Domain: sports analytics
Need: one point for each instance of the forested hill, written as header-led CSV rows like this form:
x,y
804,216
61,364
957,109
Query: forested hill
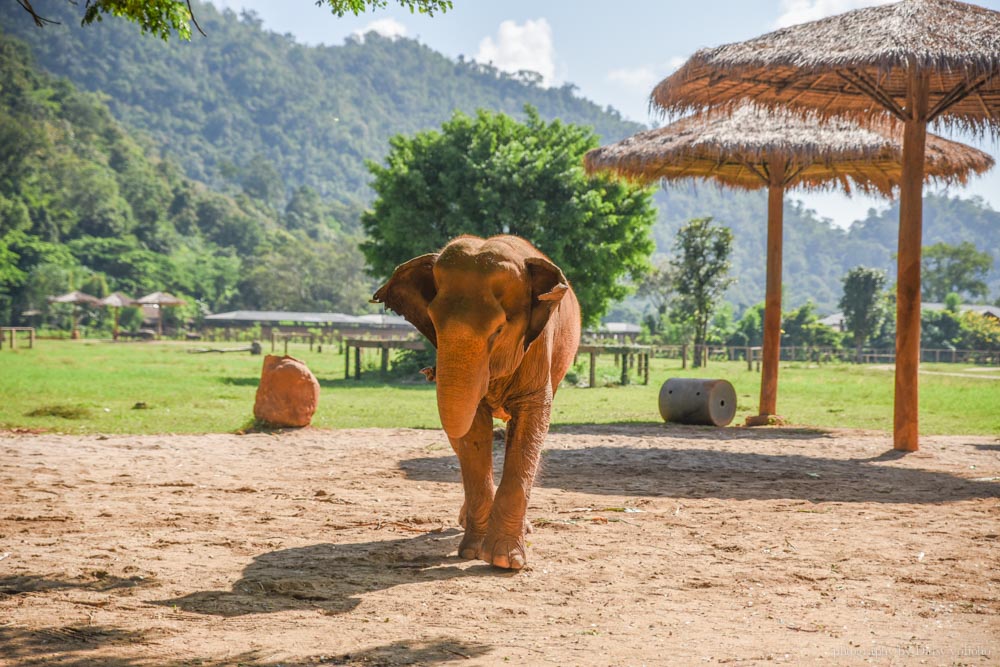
x,y
82,206
817,254
315,113
281,131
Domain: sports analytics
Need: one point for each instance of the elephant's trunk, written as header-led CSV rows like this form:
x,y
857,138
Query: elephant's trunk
x,y
462,381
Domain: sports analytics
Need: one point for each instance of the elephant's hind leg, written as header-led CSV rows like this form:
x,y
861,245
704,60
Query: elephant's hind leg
x,y
475,454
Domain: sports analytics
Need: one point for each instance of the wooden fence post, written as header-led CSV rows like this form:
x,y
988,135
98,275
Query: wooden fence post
x,y
593,369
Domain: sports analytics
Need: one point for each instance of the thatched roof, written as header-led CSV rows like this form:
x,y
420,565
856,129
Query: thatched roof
x,y
160,299
74,297
740,149
841,64
117,300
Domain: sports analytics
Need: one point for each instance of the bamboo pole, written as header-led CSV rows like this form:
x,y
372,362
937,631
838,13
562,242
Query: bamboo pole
x,y
771,352
906,407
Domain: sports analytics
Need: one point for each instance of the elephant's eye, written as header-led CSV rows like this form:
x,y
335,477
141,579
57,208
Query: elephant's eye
x,y
493,336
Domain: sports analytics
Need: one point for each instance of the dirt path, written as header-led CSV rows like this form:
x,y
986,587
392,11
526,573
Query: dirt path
x,y
653,545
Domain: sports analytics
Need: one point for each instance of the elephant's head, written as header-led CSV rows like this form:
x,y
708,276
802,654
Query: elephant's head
x,y
481,303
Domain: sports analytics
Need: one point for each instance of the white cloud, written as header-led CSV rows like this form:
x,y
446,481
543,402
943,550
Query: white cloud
x,y
802,11
640,79
644,78
387,27
521,47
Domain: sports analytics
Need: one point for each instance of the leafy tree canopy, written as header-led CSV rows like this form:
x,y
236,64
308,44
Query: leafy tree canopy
x,y
961,269
701,275
491,175
863,303
162,18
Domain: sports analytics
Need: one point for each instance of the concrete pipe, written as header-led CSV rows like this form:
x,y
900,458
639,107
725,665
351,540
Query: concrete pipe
x,y
697,401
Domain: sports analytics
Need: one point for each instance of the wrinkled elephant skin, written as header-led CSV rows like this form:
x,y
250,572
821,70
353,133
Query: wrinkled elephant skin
x,y
506,325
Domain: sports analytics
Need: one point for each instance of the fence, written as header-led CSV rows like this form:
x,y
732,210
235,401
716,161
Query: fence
x,y
12,333
827,354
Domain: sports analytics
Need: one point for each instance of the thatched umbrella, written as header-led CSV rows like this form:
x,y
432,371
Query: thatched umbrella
x,y
160,300
76,298
754,148
917,61
116,301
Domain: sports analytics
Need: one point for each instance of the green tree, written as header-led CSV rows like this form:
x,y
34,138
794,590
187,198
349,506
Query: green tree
x,y
163,17
980,332
306,275
940,329
863,304
492,175
701,268
801,328
750,328
958,268
261,181
657,288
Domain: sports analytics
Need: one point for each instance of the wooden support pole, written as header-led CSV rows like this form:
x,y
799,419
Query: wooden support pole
x,y
624,369
593,369
357,363
906,408
347,363
771,352
645,369
684,355
385,361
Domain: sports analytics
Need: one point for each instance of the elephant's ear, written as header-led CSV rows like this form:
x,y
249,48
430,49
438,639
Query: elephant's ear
x,y
408,292
548,285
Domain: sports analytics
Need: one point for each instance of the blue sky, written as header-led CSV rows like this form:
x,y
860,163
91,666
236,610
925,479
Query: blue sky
x,y
614,52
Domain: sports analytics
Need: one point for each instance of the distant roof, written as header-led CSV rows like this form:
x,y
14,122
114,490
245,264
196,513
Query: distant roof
x,y
620,327
275,316
835,321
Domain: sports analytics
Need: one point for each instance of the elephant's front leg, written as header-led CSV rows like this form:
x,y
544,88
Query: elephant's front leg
x,y
503,544
475,454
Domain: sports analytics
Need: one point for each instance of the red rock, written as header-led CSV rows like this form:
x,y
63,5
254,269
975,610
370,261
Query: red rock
x,y
288,392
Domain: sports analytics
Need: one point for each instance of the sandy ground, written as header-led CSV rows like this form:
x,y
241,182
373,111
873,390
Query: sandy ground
x,y
652,545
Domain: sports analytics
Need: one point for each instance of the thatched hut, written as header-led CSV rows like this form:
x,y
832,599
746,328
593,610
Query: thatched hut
x,y
915,61
754,148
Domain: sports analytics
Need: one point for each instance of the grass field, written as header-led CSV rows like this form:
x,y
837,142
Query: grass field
x,y
95,386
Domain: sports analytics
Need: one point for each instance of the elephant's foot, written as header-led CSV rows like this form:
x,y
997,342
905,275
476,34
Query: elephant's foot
x,y
506,551
471,545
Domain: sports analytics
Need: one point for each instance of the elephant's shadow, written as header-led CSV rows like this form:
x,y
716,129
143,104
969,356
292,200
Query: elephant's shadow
x,y
332,577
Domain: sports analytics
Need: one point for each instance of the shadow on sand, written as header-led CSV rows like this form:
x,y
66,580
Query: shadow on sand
x,y
331,577
687,470
76,646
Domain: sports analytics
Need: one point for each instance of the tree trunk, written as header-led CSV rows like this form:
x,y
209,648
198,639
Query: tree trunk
x,y
771,352
906,409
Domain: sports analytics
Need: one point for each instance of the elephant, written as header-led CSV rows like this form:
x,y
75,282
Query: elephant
x,y
506,325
